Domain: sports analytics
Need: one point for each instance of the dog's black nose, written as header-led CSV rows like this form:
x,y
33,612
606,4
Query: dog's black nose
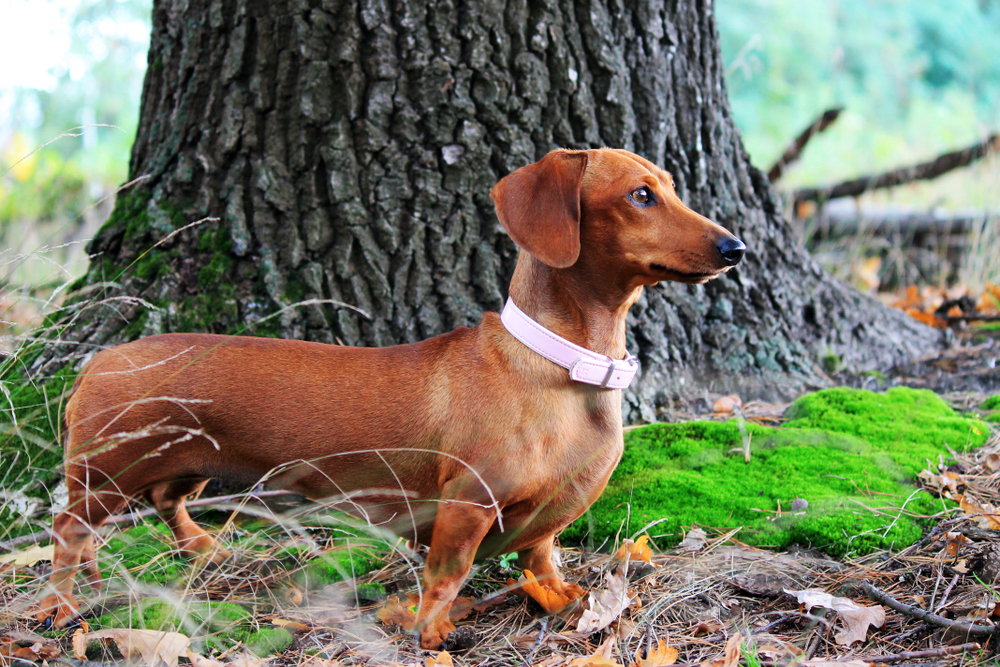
x,y
732,250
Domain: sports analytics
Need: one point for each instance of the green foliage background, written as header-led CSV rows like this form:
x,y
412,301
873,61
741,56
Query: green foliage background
x,y
916,79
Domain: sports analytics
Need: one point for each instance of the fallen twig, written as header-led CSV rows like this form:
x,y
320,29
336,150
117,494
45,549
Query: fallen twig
x,y
947,592
970,629
543,626
937,530
929,653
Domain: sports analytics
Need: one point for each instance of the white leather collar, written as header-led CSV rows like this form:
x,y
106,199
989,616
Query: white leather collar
x,y
584,365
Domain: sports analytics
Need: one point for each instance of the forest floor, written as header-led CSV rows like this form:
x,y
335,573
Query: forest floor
x,y
713,601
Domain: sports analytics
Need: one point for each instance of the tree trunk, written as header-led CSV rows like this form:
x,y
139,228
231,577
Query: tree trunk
x,y
348,147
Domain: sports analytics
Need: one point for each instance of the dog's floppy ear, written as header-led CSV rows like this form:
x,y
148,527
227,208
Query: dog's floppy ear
x,y
539,206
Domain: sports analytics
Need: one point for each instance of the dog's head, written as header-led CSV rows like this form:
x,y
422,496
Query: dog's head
x,y
611,209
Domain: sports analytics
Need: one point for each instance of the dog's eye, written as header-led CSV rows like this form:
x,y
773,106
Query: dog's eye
x,y
641,196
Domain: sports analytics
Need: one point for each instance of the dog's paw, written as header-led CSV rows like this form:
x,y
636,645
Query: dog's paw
x,y
56,611
434,633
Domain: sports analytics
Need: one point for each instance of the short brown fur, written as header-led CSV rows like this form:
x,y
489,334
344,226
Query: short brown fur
x,y
472,425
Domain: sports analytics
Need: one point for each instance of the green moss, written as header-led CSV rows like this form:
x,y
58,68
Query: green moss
x,y
196,618
155,264
295,289
218,242
831,363
130,213
910,425
213,311
218,267
29,419
993,418
148,554
371,593
338,565
991,403
850,453
215,625
268,641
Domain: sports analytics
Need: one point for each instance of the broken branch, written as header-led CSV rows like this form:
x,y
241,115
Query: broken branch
x,y
969,629
929,653
794,150
923,171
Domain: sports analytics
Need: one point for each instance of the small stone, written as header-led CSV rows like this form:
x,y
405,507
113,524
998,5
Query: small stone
x,y
799,504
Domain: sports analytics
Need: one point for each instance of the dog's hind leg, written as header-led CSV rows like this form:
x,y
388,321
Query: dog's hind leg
x,y
72,536
88,563
192,541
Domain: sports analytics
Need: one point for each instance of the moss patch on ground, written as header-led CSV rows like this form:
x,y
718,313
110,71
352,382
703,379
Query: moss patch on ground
x,y
146,553
338,565
851,454
213,625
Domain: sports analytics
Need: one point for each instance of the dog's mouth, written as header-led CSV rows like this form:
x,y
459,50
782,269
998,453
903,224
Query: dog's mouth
x,y
683,277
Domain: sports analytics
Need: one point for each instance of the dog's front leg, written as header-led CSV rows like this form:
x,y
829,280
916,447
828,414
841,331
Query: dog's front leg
x,y
459,528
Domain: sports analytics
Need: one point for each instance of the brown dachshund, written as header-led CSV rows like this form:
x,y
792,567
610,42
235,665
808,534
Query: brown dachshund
x,y
471,442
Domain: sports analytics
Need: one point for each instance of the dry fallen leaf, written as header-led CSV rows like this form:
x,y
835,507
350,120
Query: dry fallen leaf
x,y
857,619
443,659
28,557
80,644
200,660
731,654
705,628
940,482
695,540
638,550
37,652
246,660
293,596
604,606
460,608
953,542
157,649
291,626
986,515
600,658
489,602
926,318
394,613
661,656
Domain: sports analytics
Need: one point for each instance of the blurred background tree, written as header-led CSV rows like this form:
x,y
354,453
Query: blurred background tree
x,y
70,67
916,78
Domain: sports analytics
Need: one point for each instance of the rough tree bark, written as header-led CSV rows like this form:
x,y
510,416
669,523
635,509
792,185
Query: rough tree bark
x,y
348,148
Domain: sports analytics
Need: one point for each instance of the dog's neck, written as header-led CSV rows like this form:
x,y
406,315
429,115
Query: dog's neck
x,y
566,303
